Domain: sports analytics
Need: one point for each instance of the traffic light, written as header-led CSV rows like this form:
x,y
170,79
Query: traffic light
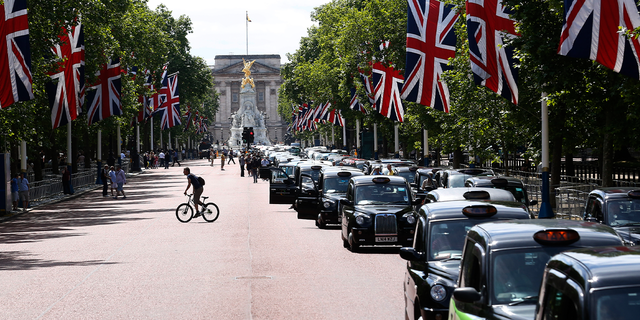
x,y
245,135
250,136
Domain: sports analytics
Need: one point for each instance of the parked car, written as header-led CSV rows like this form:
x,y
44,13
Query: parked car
x,y
511,184
378,210
616,207
503,263
455,178
592,283
331,188
433,260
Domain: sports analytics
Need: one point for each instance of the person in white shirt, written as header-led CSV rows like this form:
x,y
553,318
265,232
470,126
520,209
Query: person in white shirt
x,y
161,158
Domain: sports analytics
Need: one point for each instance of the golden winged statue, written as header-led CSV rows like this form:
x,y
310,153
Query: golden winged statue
x,y
247,73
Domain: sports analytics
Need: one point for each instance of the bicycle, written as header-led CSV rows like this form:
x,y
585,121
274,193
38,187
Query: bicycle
x,y
184,212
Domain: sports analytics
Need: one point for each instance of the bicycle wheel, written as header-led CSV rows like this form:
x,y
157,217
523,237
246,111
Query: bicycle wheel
x,y
211,212
184,212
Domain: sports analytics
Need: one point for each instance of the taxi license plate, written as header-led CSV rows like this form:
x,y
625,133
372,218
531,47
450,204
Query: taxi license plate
x,y
386,239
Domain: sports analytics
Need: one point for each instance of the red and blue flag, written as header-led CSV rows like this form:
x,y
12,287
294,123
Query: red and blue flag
x,y
103,99
15,53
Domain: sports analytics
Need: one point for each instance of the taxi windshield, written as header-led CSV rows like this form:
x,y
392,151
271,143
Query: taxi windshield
x,y
457,180
288,170
335,185
446,238
617,303
408,175
382,194
315,174
516,274
625,212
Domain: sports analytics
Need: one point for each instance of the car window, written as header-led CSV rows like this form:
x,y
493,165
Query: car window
x,y
618,303
623,212
517,274
382,194
446,238
471,270
558,305
408,175
518,193
335,185
278,176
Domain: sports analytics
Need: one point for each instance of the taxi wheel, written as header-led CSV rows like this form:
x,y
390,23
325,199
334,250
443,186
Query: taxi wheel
x,y
345,243
353,247
320,224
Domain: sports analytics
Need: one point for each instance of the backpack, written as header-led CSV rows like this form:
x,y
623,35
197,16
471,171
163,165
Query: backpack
x,y
201,181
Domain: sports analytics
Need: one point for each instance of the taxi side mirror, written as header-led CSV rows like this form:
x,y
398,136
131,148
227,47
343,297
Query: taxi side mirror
x,y
416,202
413,185
467,295
410,254
533,202
346,202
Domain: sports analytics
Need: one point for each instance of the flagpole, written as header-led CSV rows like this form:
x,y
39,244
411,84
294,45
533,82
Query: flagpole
x,y
375,141
396,140
545,206
425,155
357,136
119,144
247,29
151,123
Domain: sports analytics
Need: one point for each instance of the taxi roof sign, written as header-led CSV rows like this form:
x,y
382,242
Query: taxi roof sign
x,y
380,180
499,182
479,211
316,167
344,174
477,195
556,236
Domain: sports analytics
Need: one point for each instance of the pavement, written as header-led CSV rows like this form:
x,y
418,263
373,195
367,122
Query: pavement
x,y
94,257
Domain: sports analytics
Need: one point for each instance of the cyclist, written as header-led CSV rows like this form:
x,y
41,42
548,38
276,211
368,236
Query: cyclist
x,y
197,190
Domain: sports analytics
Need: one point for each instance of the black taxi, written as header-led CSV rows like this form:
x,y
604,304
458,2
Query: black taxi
x,y
511,184
433,260
424,181
377,210
408,173
591,284
503,263
286,189
331,188
618,208
451,194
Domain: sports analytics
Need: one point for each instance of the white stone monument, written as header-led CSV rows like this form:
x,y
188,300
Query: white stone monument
x,y
248,114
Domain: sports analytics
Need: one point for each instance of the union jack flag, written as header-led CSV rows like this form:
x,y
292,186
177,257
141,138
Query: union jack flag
x,y
488,23
355,104
189,116
170,108
145,111
15,54
368,87
66,88
591,31
104,99
158,98
431,41
335,117
387,84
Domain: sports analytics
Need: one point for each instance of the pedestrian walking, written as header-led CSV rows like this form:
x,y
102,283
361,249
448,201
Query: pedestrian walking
x,y
241,161
23,191
14,192
255,164
161,158
66,181
167,159
121,180
231,157
112,179
105,180
247,162
175,159
222,158
145,159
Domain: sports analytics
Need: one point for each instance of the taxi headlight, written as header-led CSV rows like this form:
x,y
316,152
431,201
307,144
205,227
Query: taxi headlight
x,y
438,292
361,219
327,205
411,219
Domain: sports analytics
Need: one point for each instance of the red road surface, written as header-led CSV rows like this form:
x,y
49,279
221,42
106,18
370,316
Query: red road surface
x,y
99,258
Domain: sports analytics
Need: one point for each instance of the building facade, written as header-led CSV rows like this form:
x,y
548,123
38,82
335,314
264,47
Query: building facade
x,y
227,74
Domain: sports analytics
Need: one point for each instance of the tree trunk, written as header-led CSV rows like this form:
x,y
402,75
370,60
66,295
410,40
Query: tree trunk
x,y
607,149
457,157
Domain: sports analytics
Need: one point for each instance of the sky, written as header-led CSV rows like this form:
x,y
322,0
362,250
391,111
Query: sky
x,y
219,27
